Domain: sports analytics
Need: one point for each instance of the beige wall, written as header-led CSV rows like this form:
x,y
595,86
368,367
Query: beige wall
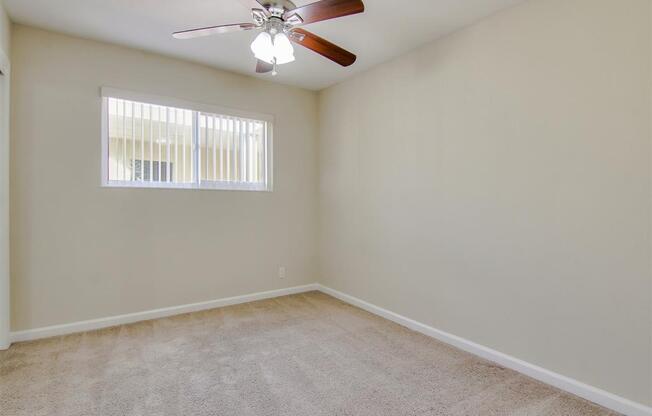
x,y
5,29
81,251
496,185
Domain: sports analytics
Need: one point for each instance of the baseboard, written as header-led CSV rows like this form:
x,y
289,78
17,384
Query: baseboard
x,y
593,394
56,330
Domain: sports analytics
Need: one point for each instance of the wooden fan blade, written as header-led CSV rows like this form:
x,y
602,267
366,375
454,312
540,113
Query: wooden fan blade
x,y
263,67
324,47
327,9
212,30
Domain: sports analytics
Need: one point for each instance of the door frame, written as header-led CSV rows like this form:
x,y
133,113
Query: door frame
x,y
5,288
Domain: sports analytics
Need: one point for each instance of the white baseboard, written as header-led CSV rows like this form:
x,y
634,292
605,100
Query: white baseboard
x,y
56,330
593,394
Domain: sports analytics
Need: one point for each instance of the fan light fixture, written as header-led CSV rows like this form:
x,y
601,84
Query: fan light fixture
x,y
277,51
280,23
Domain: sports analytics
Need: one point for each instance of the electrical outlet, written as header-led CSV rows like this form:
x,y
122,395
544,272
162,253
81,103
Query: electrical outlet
x,y
281,272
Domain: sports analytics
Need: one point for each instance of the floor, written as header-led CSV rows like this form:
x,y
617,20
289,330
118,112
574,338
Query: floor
x,y
307,354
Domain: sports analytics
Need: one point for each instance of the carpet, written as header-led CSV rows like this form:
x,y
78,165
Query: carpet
x,y
306,354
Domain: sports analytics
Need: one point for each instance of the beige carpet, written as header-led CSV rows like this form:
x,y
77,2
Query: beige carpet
x,y
306,354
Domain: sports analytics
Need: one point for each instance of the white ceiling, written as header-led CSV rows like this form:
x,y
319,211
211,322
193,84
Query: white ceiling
x,y
387,28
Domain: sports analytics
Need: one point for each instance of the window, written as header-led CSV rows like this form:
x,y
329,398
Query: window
x,y
162,143
139,164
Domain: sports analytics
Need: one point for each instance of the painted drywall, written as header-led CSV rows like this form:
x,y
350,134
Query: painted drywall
x,y
5,29
5,34
80,251
496,185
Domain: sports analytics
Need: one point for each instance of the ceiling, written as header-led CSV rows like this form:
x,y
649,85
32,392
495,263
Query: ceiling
x,y
387,28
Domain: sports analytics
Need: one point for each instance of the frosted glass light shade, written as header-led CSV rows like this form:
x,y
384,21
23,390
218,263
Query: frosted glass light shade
x,y
263,48
283,50
280,49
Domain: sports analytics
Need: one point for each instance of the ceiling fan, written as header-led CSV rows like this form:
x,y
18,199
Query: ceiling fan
x,y
280,22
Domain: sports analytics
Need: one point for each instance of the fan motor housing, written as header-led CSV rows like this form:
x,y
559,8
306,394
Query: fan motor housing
x,y
275,25
278,7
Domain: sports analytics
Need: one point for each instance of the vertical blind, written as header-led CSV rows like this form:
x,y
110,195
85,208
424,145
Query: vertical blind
x,y
162,146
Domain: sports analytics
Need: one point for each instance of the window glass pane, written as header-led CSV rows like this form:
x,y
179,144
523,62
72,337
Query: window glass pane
x,y
231,149
149,143
154,145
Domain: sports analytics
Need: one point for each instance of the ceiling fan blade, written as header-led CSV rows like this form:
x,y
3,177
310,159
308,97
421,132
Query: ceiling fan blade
x,y
213,30
326,9
323,47
263,67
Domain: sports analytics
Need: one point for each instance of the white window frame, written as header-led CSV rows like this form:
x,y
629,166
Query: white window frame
x,y
109,92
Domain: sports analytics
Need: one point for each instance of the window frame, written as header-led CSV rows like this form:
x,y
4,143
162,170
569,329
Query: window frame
x,y
196,108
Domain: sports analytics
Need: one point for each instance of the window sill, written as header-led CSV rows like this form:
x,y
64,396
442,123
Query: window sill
x,y
204,186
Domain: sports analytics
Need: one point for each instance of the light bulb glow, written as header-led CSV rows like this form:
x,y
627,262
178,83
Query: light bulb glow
x,y
279,50
283,51
263,48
